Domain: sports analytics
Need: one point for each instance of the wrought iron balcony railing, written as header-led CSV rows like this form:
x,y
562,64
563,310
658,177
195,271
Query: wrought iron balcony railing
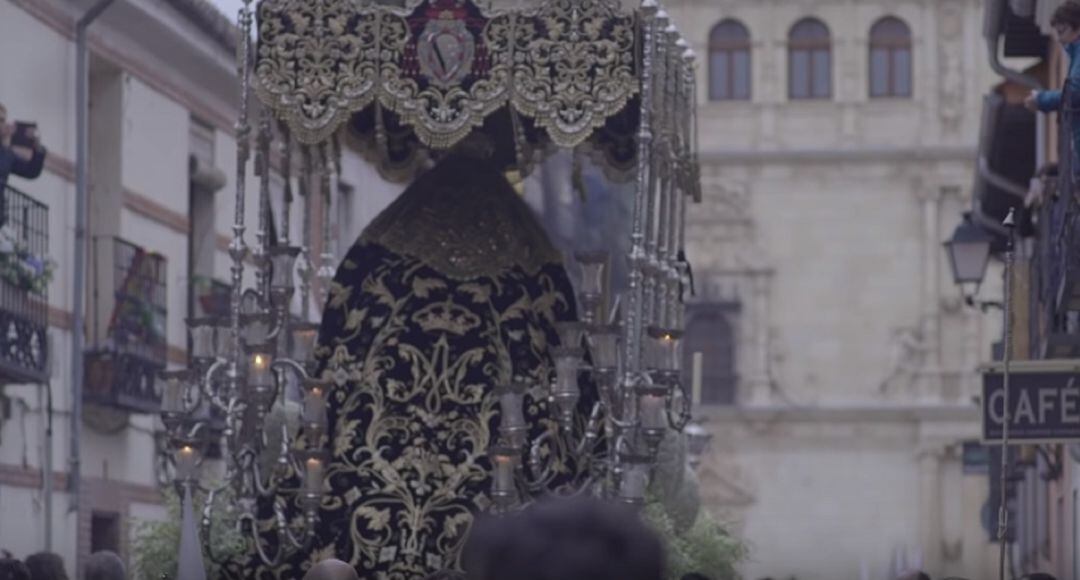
x,y
1058,253
130,308
25,272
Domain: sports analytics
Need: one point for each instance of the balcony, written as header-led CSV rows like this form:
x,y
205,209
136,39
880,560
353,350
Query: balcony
x,y
25,271
1058,251
128,321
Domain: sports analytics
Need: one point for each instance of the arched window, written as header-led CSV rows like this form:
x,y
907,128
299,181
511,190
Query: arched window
x,y
709,331
890,58
729,62
809,60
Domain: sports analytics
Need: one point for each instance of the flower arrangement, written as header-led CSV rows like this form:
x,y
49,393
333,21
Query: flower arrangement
x,y
22,269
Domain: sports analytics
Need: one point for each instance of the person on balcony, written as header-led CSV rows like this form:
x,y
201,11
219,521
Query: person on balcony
x,y
21,154
1066,23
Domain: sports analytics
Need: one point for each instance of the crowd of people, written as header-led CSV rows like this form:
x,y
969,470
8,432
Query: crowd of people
x,y
103,565
575,539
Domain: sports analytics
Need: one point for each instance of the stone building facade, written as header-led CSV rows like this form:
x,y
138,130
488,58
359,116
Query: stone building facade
x,y
838,148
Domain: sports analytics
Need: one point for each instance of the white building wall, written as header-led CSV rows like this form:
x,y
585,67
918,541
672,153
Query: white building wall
x,y
169,72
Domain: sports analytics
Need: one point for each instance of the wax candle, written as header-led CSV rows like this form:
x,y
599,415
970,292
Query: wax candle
x,y
504,473
696,378
313,477
186,458
315,407
259,370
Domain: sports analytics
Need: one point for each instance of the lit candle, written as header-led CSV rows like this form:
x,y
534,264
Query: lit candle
x,y
259,370
696,378
504,474
186,458
315,407
652,412
313,477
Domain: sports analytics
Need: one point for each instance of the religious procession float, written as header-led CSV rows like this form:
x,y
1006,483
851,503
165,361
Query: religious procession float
x,y
455,370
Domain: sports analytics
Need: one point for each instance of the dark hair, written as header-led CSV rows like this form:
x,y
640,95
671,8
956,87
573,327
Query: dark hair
x,y
1067,14
575,539
1039,576
46,566
104,565
12,569
694,576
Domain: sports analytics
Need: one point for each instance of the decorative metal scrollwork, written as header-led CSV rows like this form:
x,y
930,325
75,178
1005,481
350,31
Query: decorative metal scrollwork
x,y
447,65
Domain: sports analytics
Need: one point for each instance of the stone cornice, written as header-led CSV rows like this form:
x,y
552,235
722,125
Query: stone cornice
x,y
863,155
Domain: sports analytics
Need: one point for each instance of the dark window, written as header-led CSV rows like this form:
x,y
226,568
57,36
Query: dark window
x,y
709,330
729,62
890,58
809,60
105,532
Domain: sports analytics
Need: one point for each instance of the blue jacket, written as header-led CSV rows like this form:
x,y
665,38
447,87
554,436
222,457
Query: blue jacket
x,y
1051,100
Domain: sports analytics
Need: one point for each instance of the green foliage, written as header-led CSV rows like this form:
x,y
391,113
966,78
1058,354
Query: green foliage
x,y
706,547
157,543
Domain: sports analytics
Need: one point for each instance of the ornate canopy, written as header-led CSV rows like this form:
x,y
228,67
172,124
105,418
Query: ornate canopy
x,y
564,72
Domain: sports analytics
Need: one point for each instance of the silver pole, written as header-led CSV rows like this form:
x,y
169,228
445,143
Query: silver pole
x,y
78,283
1003,513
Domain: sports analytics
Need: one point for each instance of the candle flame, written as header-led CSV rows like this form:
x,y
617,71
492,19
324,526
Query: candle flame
x,y
260,361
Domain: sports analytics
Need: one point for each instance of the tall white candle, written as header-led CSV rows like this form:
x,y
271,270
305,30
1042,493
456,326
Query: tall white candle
x,y
315,407
696,378
313,480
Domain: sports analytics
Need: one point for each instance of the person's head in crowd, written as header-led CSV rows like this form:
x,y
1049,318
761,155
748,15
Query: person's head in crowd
x,y
1039,576
12,569
46,566
565,539
331,570
694,576
104,565
914,575
1066,22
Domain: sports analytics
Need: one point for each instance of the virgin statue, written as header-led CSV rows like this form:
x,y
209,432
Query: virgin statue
x,y
449,295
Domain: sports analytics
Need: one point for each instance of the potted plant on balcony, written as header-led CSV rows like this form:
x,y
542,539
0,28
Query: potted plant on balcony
x,y
21,269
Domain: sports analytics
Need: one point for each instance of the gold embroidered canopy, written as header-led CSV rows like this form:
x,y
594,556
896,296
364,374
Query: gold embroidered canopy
x,y
564,70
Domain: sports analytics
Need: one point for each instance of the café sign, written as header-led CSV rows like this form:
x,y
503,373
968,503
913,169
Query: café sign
x,y
1044,401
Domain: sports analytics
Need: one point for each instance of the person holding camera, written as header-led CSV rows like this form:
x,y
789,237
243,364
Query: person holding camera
x,y
21,154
